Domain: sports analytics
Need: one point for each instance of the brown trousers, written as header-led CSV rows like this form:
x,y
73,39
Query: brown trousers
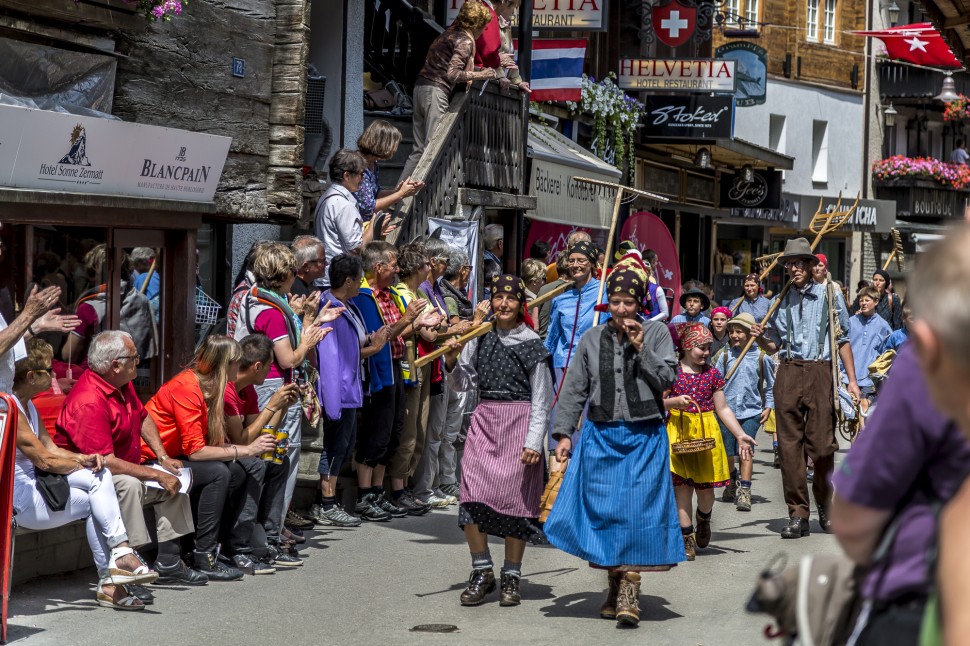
x,y
804,408
408,454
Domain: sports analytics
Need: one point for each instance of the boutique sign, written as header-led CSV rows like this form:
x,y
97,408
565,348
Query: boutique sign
x,y
76,154
678,75
696,116
553,15
761,191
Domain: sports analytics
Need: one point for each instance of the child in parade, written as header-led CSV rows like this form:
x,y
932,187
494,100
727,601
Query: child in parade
x,y
750,396
868,332
615,506
501,470
697,393
694,303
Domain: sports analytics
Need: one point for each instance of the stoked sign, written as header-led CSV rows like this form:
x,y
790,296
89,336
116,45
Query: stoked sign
x,y
553,15
699,116
75,154
678,75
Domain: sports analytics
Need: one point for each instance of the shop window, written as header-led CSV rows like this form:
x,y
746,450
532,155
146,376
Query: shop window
x,y
820,152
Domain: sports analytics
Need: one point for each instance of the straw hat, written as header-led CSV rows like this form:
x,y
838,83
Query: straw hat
x,y
744,320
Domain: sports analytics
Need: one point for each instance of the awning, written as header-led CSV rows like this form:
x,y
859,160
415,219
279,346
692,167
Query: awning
x,y
733,153
556,160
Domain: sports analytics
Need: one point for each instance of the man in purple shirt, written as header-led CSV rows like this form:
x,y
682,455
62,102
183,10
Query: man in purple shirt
x,y
909,460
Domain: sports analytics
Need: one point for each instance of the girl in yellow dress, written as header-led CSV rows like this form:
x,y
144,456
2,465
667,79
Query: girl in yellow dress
x,y
692,401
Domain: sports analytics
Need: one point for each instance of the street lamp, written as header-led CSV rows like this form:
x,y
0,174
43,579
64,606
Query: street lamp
x,y
893,11
889,115
703,158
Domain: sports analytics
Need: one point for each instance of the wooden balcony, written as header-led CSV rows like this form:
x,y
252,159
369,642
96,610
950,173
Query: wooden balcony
x,y
922,199
907,82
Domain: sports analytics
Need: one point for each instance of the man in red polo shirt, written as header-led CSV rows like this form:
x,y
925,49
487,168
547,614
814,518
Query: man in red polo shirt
x,y
102,414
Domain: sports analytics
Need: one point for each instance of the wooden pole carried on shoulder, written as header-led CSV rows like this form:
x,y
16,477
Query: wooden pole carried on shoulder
x,y
822,224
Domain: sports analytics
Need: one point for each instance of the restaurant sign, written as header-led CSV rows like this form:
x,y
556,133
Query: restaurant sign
x,y
69,153
678,75
698,116
553,15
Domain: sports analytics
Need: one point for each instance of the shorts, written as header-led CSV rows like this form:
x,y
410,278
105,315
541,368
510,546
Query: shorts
x,y
749,425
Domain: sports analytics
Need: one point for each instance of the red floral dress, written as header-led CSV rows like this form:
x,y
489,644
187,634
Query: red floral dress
x,y
706,469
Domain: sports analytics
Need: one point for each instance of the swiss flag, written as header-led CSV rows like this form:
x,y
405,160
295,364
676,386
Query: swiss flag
x,y
918,43
674,23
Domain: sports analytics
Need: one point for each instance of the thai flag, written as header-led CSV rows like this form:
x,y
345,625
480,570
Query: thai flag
x,y
557,70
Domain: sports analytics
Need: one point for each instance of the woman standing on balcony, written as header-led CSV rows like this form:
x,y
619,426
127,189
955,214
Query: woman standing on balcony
x,y
379,144
450,61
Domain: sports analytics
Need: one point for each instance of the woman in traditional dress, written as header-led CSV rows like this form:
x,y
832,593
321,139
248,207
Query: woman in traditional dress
x,y
616,507
501,473
697,393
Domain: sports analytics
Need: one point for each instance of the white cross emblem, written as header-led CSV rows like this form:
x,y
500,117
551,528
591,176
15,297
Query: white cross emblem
x,y
674,23
915,43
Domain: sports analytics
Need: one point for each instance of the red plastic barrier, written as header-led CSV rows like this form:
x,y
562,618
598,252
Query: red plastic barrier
x,y
8,448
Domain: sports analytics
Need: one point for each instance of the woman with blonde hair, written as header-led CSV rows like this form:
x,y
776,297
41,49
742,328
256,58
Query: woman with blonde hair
x,y
379,143
189,413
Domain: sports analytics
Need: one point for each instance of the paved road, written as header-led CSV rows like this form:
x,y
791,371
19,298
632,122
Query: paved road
x,y
373,584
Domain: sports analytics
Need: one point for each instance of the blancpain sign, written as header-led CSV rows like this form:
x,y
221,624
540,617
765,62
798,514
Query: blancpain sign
x,y
73,154
678,75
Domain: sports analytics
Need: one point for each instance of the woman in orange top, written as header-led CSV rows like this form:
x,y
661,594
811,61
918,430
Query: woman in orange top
x,y
188,411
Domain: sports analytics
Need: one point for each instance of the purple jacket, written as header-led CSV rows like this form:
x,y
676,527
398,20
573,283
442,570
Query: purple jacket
x,y
341,376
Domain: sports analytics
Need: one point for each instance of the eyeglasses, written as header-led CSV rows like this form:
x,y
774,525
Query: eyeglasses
x,y
443,259
795,264
133,357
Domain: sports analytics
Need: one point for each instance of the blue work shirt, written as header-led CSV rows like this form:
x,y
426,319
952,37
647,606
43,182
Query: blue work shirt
x,y
800,317
563,318
867,334
684,317
743,390
154,285
758,308
896,340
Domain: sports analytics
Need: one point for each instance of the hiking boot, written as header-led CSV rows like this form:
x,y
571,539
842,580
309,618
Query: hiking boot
x,y
480,583
703,530
743,499
141,593
334,517
412,505
283,556
628,600
209,564
510,590
608,609
690,546
250,566
728,494
384,502
796,528
180,574
452,490
368,509
776,463
823,520
296,521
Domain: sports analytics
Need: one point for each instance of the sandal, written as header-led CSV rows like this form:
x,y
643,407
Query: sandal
x,y
119,576
129,602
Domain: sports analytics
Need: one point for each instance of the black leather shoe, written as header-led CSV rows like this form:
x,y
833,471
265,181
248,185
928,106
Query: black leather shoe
x,y
480,583
823,520
209,565
510,591
141,592
796,528
179,574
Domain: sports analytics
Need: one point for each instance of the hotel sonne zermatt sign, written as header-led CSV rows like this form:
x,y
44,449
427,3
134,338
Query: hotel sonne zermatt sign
x,y
678,75
554,15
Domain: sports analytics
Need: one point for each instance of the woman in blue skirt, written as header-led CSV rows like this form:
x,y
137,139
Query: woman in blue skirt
x,y
616,505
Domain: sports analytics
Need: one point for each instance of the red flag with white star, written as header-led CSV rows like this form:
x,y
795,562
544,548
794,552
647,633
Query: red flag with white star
x,y
918,43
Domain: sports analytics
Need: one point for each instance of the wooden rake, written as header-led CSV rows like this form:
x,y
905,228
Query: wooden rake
x,y
821,225
897,253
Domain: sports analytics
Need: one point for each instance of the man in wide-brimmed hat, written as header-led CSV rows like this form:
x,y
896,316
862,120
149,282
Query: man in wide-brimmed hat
x,y
804,401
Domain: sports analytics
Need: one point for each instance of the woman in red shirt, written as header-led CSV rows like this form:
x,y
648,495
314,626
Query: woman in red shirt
x,y
189,413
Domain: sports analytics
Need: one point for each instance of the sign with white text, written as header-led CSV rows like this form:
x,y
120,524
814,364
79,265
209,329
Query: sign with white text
x,y
678,75
75,154
761,191
698,116
553,15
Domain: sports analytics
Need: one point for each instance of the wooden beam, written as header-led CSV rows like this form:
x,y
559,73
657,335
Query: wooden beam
x,y
496,200
950,23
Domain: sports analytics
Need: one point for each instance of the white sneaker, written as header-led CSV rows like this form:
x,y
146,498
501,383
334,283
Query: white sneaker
x,y
435,501
452,500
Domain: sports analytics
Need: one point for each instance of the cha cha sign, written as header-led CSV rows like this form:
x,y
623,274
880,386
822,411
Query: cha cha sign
x,y
678,75
554,15
68,153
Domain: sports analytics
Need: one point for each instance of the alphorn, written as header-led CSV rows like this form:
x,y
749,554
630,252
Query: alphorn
x,y
822,224
484,328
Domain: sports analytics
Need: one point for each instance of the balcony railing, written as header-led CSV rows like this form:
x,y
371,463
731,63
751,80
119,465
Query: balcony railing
x,y
898,81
